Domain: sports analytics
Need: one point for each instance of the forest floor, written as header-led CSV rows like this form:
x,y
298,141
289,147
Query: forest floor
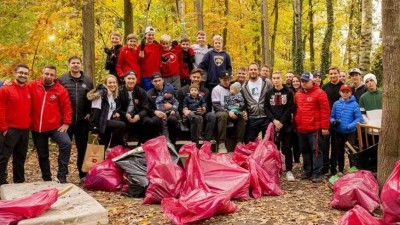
x,y
303,202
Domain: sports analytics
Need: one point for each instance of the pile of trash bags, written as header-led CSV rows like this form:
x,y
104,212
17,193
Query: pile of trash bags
x,y
203,188
359,191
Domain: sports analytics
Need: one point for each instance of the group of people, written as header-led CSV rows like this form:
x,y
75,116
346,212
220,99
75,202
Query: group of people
x,y
161,89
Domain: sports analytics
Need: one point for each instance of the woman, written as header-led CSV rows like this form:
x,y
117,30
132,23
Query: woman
x,y
104,118
295,87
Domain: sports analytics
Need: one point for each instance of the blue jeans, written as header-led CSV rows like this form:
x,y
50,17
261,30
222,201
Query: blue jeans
x,y
310,147
41,141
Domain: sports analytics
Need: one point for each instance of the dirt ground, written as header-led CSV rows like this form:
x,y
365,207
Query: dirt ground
x,y
303,202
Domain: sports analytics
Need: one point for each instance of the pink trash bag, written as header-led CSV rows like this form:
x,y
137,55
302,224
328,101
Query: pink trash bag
x,y
358,216
390,197
165,177
358,188
11,211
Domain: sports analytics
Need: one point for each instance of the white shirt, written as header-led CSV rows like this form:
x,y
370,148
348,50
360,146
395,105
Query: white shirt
x,y
255,88
218,94
97,104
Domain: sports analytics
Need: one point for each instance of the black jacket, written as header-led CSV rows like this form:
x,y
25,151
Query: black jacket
x,y
184,91
77,89
279,105
140,101
112,58
332,90
359,91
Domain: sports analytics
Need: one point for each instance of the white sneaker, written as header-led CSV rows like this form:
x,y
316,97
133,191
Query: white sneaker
x,y
289,176
222,148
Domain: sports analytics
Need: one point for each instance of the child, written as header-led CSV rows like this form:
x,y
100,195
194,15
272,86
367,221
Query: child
x,y
128,59
194,102
170,65
167,97
235,102
344,118
200,49
214,62
186,59
113,53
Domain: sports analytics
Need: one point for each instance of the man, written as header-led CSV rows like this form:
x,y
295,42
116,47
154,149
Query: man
x,y
279,107
241,76
51,117
218,95
265,71
288,78
358,88
134,108
78,85
343,76
371,102
149,58
332,89
15,107
254,92
208,117
312,121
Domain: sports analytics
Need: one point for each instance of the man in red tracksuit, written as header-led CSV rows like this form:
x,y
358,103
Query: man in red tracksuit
x,y
51,116
15,120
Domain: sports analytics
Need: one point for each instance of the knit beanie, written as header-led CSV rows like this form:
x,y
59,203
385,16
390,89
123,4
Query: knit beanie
x,y
369,77
169,88
236,86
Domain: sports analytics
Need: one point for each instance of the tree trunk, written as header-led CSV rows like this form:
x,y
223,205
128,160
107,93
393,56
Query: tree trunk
x,y
264,33
325,52
366,36
88,38
225,31
198,5
273,38
128,18
299,54
180,5
311,34
389,141
347,55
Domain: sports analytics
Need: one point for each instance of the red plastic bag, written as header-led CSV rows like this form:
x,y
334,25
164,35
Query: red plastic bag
x,y
11,211
196,206
358,188
358,216
116,151
166,178
390,197
105,176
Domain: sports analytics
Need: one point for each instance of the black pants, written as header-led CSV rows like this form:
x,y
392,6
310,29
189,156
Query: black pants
x,y
152,127
80,130
254,127
114,134
286,148
295,146
171,128
15,143
338,151
328,146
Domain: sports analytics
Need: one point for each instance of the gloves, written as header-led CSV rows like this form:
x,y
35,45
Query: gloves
x,y
336,123
174,43
142,44
164,59
107,51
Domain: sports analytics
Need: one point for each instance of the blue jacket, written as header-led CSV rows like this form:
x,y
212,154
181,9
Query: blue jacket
x,y
349,114
213,63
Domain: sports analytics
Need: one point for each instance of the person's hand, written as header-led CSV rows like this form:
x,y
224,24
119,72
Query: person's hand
x,y
142,44
172,113
201,110
7,82
164,59
232,115
160,115
107,51
128,116
167,106
336,123
325,132
87,117
134,119
244,115
63,128
116,115
186,112
5,133
277,124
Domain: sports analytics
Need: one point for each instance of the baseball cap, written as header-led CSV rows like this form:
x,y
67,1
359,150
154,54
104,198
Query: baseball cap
x,y
149,29
156,75
355,70
130,73
345,87
317,74
224,74
306,76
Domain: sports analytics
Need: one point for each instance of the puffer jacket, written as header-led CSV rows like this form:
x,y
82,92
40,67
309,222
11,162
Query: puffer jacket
x,y
349,114
141,101
77,90
51,108
311,110
255,109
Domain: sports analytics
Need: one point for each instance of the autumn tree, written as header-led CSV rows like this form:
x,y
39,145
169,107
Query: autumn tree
x,y
88,31
264,32
311,33
128,18
366,36
199,13
389,142
298,56
273,36
325,52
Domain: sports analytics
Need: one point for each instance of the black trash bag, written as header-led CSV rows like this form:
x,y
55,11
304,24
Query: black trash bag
x,y
366,159
134,165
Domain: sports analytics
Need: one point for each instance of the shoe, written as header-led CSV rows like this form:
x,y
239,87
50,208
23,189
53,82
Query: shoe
x,y
305,176
183,127
296,166
62,179
316,179
222,148
230,124
289,176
